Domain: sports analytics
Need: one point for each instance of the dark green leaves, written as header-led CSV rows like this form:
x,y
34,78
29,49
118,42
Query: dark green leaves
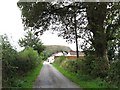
x,y
30,40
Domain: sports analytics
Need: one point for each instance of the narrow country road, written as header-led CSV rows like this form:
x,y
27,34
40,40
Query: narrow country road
x,y
49,77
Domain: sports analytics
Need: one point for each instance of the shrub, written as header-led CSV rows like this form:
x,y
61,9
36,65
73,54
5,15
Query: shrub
x,y
70,65
27,60
93,66
85,66
114,73
65,64
15,64
8,57
60,59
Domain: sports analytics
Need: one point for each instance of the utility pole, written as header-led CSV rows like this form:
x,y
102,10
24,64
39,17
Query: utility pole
x,y
75,24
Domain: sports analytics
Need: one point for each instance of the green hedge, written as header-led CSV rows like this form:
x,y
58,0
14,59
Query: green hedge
x,y
93,68
15,65
60,59
27,60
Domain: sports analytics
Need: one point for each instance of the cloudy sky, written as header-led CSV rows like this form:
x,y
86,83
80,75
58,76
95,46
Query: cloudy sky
x,y
11,24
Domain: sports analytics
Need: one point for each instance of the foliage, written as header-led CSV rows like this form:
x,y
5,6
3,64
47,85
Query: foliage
x,y
93,66
27,60
87,14
46,54
87,66
84,81
96,22
71,65
87,69
16,65
114,47
114,73
30,76
60,59
30,40
9,55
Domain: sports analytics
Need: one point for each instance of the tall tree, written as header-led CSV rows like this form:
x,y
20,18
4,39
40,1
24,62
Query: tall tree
x,y
30,40
97,21
98,15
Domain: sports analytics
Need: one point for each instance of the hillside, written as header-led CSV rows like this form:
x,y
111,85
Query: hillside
x,y
55,48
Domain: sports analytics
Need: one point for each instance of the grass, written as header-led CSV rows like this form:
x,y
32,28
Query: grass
x,y
82,80
28,79
31,77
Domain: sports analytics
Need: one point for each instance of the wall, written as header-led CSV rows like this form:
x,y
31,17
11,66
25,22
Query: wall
x,y
71,57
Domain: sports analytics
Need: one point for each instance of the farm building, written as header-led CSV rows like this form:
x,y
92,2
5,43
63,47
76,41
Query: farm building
x,y
72,55
69,55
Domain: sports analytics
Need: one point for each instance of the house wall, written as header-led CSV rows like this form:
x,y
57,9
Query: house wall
x,y
70,57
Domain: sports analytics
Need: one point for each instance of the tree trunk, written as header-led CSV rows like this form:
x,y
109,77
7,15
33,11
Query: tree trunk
x,y
96,15
100,45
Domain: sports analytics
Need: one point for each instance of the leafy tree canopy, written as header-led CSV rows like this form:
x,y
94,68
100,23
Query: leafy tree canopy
x,y
91,18
95,22
30,40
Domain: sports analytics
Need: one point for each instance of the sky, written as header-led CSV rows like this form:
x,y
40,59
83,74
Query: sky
x,y
11,24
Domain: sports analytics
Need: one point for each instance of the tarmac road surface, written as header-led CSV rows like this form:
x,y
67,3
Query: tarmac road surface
x,y
49,77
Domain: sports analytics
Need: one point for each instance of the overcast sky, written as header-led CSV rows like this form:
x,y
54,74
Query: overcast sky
x,y
11,24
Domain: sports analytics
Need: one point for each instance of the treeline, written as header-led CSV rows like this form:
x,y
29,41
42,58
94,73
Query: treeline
x,y
15,65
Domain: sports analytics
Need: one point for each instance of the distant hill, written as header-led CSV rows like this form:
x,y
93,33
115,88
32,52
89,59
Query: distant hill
x,y
55,48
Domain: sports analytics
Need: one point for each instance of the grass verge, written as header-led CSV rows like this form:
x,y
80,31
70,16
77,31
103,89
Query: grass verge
x,y
27,80
31,77
82,80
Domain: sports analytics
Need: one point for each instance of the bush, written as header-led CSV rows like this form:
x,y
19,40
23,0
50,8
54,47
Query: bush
x,y
114,73
93,66
15,64
9,55
70,65
27,60
60,59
